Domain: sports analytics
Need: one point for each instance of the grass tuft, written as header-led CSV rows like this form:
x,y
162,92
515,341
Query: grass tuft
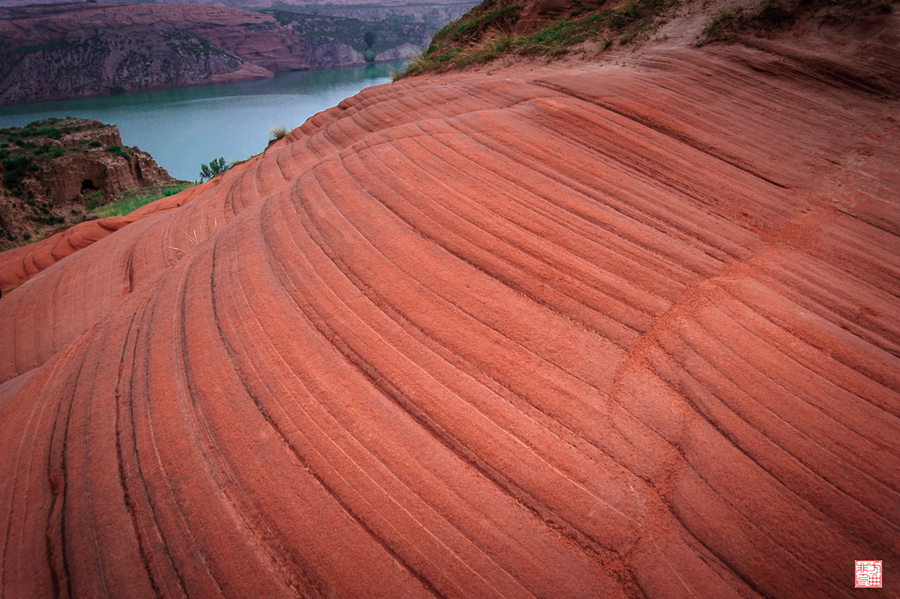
x,y
277,132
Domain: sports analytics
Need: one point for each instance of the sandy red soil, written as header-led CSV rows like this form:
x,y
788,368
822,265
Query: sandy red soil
x,y
574,330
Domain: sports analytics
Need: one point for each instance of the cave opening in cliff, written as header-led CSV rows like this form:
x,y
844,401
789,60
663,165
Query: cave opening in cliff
x,y
88,185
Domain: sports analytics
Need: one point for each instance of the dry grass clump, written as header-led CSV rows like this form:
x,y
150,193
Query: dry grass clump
x,y
277,132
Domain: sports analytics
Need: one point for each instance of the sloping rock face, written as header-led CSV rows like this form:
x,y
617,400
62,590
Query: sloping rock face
x,y
20,264
574,330
69,50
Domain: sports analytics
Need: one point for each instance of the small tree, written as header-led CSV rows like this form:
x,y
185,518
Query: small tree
x,y
370,39
216,166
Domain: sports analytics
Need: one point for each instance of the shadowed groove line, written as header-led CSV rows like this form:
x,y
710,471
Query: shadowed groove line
x,y
86,448
507,281
141,481
721,396
434,429
467,459
152,440
177,512
471,369
363,472
733,565
129,503
818,408
555,219
831,303
610,211
533,238
691,398
57,486
406,403
639,165
619,205
278,269
810,342
320,480
216,463
668,132
379,301
261,533
355,279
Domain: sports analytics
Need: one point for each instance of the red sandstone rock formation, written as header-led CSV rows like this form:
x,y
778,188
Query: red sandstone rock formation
x,y
574,330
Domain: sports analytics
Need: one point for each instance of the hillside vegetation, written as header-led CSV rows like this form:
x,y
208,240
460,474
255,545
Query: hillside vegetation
x,y
502,28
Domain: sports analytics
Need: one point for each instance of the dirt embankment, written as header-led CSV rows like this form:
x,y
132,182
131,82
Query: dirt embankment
x,y
584,329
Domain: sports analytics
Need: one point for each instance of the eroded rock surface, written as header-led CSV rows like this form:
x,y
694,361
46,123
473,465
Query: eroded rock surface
x,y
574,330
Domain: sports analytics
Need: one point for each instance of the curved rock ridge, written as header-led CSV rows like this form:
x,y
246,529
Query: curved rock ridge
x,y
20,264
572,330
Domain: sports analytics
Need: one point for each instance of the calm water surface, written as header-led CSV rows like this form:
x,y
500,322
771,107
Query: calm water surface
x,y
182,128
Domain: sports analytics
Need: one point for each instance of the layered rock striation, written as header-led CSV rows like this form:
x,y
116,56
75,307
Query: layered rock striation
x,y
68,50
570,330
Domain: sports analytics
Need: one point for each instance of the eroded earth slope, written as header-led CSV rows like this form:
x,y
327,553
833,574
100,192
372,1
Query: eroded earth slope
x,y
573,330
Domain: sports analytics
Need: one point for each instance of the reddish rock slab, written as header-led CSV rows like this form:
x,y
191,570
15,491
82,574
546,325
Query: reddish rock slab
x,y
562,331
20,264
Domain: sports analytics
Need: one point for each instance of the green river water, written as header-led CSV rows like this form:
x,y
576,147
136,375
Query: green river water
x,y
184,127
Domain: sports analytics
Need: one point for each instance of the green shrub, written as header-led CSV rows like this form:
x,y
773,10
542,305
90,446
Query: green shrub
x,y
94,201
42,132
95,144
15,169
216,166
723,24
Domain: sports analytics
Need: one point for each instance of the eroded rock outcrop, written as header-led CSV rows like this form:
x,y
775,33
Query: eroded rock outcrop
x,y
55,171
574,330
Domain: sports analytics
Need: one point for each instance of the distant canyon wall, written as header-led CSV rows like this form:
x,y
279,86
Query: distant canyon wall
x,y
72,50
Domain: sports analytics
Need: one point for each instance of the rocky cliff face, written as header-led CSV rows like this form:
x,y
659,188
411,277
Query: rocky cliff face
x,y
70,50
55,171
63,51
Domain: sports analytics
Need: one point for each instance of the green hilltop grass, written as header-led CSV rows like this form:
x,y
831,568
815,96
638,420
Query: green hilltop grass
x,y
131,200
486,33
